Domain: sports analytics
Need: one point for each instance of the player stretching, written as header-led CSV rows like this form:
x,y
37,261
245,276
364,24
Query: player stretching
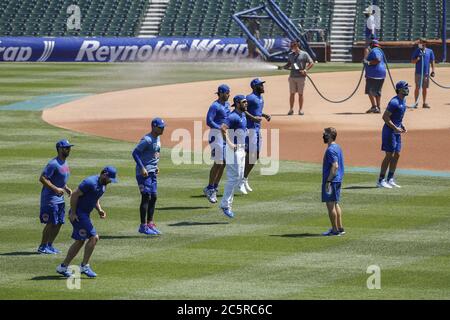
x,y
216,116
146,155
84,199
391,135
235,132
54,180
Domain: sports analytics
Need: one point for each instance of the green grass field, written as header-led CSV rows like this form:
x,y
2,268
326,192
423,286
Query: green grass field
x,y
271,250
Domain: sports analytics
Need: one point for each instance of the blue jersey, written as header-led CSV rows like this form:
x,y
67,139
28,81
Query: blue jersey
x,y
146,154
92,192
332,155
255,108
377,71
398,108
217,113
238,123
426,59
57,171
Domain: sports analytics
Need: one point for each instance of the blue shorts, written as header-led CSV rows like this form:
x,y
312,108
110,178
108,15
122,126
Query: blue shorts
x,y
83,229
335,194
390,141
148,185
253,142
53,213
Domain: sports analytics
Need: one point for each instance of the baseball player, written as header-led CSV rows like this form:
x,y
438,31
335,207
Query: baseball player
x,y
426,56
54,179
332,176
84,199
235,132
391,135
254,115
299,62
146,154
217,113
375,74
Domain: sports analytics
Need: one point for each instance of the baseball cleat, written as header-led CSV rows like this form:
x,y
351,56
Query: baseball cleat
x,y
392,183
62,270
341,232
53,249
246,185
213,198
143,228
210,195
44,250
86,269
291,112
241,189
330,233
426,106
228,212
384,184
153,228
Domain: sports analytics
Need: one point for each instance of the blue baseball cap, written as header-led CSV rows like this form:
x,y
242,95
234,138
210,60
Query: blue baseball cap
x,y
401,85
158,122
237,99
223,88
64,143
375,43
112,173
256,82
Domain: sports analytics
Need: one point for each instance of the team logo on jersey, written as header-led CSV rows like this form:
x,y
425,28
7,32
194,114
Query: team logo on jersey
x,y
45,217
82,233
64,170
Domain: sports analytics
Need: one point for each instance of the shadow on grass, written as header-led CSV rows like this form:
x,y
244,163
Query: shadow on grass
x,y
182,208
123,237
297,235
54,277
20,253
360,187
190,223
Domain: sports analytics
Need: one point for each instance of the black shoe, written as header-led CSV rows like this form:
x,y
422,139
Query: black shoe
x,y
372,110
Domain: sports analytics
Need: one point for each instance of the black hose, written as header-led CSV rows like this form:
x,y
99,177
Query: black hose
x,y
439,85
337,101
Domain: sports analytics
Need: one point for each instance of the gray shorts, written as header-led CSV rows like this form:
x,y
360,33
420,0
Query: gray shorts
x,y
426,81
374,86
296,84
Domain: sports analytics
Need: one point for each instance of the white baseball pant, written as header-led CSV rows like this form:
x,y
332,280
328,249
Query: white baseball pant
x,y
235,164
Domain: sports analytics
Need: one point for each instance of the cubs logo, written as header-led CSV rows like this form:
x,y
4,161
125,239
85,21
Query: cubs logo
x,y
82,233
64,170
45,217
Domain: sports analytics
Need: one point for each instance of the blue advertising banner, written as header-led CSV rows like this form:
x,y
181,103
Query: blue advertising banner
x,y
76,49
